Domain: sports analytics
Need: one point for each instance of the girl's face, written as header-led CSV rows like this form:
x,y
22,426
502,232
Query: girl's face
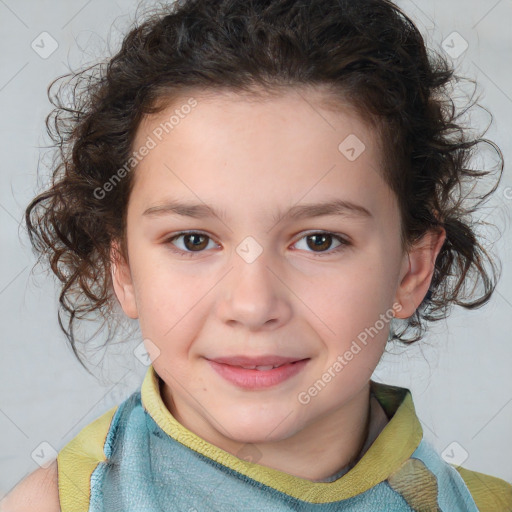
x,y
268,275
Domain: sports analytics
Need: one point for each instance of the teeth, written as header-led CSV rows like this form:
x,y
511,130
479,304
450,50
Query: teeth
x,y
261,368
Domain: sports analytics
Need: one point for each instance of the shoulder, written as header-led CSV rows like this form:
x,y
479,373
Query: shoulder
x,y
79,458
489,492
38,491
88,444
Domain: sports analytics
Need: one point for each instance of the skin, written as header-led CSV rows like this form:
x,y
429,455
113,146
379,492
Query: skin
x,y
250,159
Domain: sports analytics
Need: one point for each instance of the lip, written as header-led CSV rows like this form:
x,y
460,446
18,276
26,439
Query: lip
x,y
230,369
257,360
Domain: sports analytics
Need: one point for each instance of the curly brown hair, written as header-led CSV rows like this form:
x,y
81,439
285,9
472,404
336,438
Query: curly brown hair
x,y
367,52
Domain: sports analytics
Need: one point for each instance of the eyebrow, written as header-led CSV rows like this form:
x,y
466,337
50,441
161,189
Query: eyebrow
x,y
200,210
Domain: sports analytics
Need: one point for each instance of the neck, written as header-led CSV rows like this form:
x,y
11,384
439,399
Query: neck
x,y
316,452
323,448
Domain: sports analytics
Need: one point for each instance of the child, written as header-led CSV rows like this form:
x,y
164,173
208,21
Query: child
x,y
274,190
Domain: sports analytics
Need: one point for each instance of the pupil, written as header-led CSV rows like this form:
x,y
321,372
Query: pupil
x,y
194,244
322,241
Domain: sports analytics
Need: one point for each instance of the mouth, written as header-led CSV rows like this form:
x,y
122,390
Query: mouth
x,y
257,372
257,361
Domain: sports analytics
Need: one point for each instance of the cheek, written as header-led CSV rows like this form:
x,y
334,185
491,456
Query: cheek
x,y
172,307
346,303
161,301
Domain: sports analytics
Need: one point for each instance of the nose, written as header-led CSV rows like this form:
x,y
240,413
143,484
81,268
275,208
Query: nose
x,y
254,295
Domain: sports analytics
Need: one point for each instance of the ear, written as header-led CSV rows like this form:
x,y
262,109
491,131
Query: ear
x,y
122,281
417,271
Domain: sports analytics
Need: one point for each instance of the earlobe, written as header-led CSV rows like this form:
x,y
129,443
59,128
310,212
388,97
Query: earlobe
x,y
417,271
122,281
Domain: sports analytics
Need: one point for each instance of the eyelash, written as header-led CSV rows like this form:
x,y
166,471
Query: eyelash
x,y
343,242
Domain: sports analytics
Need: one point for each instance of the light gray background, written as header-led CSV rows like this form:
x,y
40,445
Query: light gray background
x,y
460,376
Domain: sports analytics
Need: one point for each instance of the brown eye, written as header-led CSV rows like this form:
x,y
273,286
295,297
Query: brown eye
x,y
191,242
321,242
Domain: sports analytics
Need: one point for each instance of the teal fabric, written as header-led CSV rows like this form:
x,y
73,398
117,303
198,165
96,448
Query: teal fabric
x,y
452,491
148,471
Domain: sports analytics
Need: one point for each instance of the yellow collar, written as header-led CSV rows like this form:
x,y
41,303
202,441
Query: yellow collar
x,y
394,445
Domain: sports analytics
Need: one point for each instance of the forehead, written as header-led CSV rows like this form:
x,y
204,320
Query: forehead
x,y
316,106
275,148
